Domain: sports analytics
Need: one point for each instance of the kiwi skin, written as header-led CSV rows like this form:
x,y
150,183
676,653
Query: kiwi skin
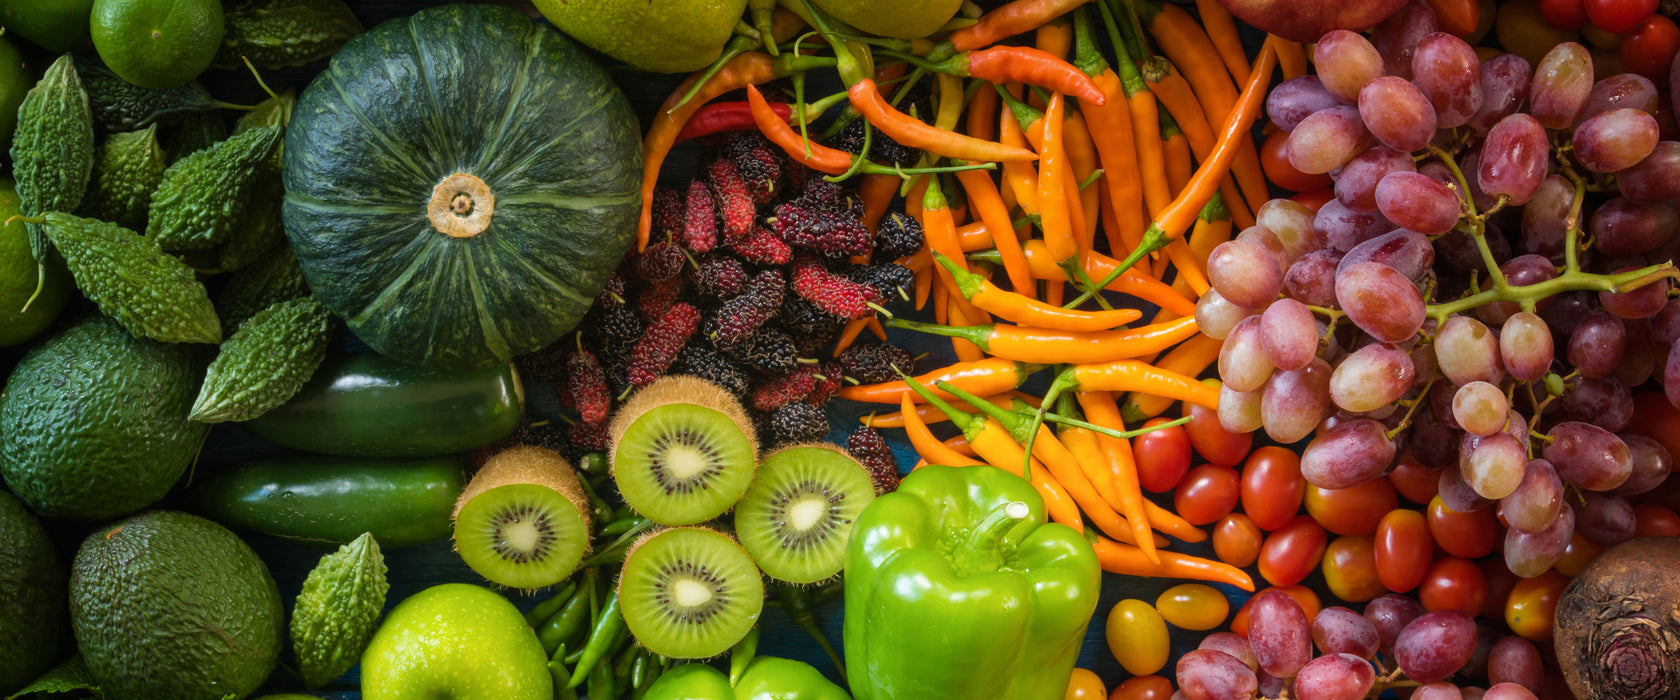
x,y
527,464
680,388
724,536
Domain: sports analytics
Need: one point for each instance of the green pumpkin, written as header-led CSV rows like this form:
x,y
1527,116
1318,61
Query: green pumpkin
x,y
459,184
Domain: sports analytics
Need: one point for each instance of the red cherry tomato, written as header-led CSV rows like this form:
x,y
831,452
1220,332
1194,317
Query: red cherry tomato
x,y
1274,159
1650,49
1292,551
1212,441
1415,482
1236,541
1272,487
1532,606
1354,510
1206,494
1457,17
1619,16
1655,520
1350,570
1143,688
1564,14
1315,199
1403,548
1467,535
1304,596
1163,456
1453,584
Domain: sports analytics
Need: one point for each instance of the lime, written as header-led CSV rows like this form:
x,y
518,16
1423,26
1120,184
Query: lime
x,y
894,18
661,36
18,277
157,44
54,25
14,84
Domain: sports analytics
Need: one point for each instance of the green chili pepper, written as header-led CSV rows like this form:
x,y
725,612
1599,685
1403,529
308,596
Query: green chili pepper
x,y
608,630
601,682
546,609
562,676
741,656
566,625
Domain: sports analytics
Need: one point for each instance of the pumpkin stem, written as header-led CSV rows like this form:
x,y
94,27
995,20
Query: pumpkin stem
x,y
461,206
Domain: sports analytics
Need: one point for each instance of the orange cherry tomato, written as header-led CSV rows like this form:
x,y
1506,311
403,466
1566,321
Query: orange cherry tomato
x,y
1212,441
1236,541
1350,569
1354,510
1143,688
1206,494
1533,606
1272,487
1292,551
1415,482
1465,535
1085,685
1403,549
1193,606
1163,456
1651,47
1453,584
1577,555
1137,636
1655,520
1304,596
1274,159
1457,17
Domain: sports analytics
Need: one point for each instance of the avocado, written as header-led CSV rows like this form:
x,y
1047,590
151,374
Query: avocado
x,y
93,421
170,606
33,616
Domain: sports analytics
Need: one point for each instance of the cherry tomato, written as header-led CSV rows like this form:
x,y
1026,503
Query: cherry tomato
x,y
1655,520
1272,487
1274,159
1403,549
1655,418
1465,535
1206,494
1457,17
1350,569
1212,441
1564,14
1085,685
1577,555
1143,688
1619,16
1315,199
1137,636
1533,605
1666,494
1292,551
1302,595
1453,584
1650,49
1236,541
1354,510
1522,31
1500,581
1163,456
1484,23
1415,482
1193,606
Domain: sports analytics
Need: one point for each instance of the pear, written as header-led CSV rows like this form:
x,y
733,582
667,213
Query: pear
x,y
900,19
660,36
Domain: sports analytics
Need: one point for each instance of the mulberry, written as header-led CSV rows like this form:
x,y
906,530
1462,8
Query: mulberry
x,y
654,300
890,280
769,351
761,246
785,388
759,163
661,343
661,261
586,437
872,451
833,293
799,422
741,316
828,382
735,203
614,325
824,196
873,363
801,317
882,148
670,213
833,234
720,276
699,232
898,235
700,360
586,386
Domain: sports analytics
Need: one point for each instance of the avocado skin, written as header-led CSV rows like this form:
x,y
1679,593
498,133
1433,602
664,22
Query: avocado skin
x,y
170,606
93,422
33,613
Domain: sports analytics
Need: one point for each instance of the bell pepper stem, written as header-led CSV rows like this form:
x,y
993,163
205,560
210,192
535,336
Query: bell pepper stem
x,y
979,552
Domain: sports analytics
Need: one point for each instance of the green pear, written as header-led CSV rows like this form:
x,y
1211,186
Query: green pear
x,y
457,641
662,36
901,19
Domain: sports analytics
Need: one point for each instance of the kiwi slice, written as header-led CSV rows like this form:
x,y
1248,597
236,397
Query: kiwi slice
x,y
523,521
683,451
795,519
689,592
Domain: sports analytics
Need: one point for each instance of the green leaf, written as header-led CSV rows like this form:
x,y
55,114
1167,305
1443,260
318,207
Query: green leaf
x,y
68,677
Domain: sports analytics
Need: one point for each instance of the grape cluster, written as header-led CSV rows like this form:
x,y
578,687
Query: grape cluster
x,y
1487,286
1423,649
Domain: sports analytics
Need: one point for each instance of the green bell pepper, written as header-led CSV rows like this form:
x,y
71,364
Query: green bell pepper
x,y
957,588
766,678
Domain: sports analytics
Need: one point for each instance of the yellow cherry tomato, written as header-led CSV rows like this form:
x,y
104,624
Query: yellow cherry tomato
x,y
1350,569
1085,685
1137,636
1533,605
1193,606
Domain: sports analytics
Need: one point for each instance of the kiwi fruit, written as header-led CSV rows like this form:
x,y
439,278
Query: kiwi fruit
x,y
795,518
689,592
683,450
523,521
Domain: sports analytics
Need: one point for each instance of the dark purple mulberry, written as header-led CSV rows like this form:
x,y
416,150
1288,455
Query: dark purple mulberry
x,y
759,163
835,235
769,351
700,360
670,213
799,422
801,317
898,235
873,363
720,276
891,280
743,315
661,261
872,451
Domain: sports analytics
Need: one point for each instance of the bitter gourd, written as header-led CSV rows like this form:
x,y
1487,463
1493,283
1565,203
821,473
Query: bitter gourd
x,y
151,294
269,280
118,105
196,133
129,168
265,362
203,195
260,230
338,609
52,149
279,33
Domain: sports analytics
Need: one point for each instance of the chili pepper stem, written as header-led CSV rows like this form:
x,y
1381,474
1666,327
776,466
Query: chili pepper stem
x,y
973,334
1154,239
1074,268
979,552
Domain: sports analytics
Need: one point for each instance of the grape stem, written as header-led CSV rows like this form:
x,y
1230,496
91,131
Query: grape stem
x,y
1410,410
1475,222
1572,225
1569,281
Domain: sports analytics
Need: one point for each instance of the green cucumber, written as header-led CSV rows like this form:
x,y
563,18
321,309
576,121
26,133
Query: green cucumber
x,y
331,501
368,405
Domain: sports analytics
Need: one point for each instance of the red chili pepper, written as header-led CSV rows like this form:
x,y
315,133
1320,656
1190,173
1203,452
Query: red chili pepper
x,y
1021,64
726,116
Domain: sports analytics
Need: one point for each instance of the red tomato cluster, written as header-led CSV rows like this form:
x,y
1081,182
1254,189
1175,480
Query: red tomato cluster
x,y
1644,40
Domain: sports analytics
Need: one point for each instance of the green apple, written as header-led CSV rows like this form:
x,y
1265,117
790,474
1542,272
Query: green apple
x,y
456,641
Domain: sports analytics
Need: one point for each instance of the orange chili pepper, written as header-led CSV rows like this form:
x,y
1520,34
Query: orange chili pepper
x,y
1110,128
849,334
1176,149
1125,493
1054,37
1043,345
876,192
983,196
924,286
983,378
1111,222
811,154
1014,18
1020,64
959,444
1052,181
915,133
1146,132
1132,375
1088,455
1189,272
929,447
1021,178
941,302
1222,30
1081,151
1128,560
964,350
1212,227
981,108
1175,94
1026,310
1291,57
939,234
913,196
1190,359
930,415
1099,266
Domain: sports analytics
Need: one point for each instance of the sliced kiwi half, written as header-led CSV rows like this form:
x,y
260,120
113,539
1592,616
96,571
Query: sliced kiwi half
x,y
683,451
523,521
795,519
689,592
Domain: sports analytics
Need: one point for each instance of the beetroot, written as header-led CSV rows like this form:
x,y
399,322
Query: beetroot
x,y
1617,633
